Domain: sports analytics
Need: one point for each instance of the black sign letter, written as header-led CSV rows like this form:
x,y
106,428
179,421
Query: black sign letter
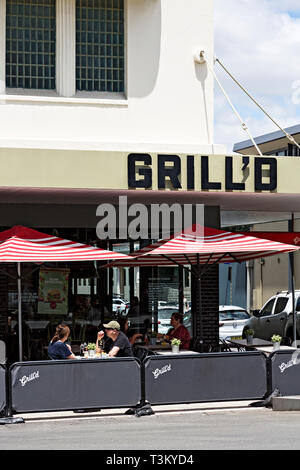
x,y
190,172
205,183
229,184
146,172
259,185
172,172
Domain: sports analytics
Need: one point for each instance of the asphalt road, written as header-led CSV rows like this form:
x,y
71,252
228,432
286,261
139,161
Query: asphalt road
x,y
259,429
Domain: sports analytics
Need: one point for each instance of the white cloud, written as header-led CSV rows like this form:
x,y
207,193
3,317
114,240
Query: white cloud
x,y
258,41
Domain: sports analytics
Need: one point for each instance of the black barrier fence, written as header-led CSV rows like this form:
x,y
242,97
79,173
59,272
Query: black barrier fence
x,y
3,394
205,377
160,379
70,385
284,368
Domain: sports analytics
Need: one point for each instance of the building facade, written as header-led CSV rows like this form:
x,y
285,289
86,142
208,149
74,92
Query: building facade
x,y
102,99
84,84
267,276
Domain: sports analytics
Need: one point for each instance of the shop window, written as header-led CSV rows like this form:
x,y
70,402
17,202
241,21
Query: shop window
x,y
30,44
100,45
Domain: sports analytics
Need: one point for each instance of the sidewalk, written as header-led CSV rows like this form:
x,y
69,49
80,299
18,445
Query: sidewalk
x,y
158,409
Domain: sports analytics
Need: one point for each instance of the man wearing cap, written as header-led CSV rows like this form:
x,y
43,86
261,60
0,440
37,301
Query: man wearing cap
x,y
121,346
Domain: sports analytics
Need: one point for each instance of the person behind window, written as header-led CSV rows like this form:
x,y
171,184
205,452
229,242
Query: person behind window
x,y
178,331
134,309
124,327
93,317
120,346
58,349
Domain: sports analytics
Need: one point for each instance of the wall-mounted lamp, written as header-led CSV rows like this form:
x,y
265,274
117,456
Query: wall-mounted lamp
x,y
199,56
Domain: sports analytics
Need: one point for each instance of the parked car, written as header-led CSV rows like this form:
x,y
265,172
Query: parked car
x,y
119,307
164,317
275,318
165,310
232,320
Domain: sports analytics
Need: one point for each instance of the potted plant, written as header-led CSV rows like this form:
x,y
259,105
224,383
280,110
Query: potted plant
x,y
175,345
276,340
249,335
91,347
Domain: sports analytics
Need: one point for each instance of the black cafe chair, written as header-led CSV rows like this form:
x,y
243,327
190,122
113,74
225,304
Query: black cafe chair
x,y
224,345
141,353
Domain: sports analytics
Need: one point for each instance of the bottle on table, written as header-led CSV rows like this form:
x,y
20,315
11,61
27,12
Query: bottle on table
x,y
101,344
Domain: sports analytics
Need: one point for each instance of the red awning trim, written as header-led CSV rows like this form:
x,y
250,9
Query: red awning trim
x,y
20,244
292,238
209,247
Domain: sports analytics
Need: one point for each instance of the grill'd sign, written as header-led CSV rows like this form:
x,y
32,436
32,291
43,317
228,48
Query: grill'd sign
x,y
157,372
205,173
29,378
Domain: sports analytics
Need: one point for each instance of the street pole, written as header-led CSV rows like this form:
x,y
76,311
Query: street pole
x,y
20,314
292,284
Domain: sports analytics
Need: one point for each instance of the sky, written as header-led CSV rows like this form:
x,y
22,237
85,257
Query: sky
x,y
258,41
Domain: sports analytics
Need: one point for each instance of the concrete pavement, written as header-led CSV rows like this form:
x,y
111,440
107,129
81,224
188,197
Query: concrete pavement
x,y
185,408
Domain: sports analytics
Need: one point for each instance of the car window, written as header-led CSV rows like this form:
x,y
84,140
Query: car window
x,y
280,304
166,313
233,315
298,305
267,310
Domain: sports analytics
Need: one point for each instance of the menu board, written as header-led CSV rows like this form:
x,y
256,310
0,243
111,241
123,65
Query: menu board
x,y
53,291
162,289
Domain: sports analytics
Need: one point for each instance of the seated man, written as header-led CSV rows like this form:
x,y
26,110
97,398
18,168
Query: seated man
x,y
178,331
120,346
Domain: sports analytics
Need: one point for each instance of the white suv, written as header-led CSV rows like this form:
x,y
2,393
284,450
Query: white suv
x,y
276,318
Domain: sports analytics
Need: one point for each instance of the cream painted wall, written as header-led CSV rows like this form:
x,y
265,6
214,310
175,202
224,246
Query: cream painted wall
x,y
273,275
169,103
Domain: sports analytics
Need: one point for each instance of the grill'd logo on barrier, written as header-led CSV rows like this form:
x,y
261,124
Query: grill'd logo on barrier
x,y
28,378
293,362
286,365
163,370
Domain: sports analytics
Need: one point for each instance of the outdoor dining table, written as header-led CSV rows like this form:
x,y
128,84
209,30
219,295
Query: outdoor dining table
x,y
242,344
95,357
269,349
183,351
156,347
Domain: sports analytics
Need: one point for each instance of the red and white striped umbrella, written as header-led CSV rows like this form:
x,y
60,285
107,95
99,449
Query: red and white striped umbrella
x,y
203,245
22,244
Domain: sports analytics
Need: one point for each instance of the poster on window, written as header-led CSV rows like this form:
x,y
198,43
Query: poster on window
x,y
53,291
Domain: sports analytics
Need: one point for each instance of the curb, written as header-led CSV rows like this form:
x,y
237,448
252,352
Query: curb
x,y
120,412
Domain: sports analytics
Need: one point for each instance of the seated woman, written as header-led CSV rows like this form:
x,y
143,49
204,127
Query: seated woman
x,y
178,331
57,348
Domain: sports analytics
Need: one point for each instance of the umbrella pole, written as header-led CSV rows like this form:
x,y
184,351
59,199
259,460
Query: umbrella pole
x,y
20,313
199,312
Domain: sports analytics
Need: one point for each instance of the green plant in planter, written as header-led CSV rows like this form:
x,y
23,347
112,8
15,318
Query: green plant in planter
x,y
176,342
276,339
91,346
249,332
